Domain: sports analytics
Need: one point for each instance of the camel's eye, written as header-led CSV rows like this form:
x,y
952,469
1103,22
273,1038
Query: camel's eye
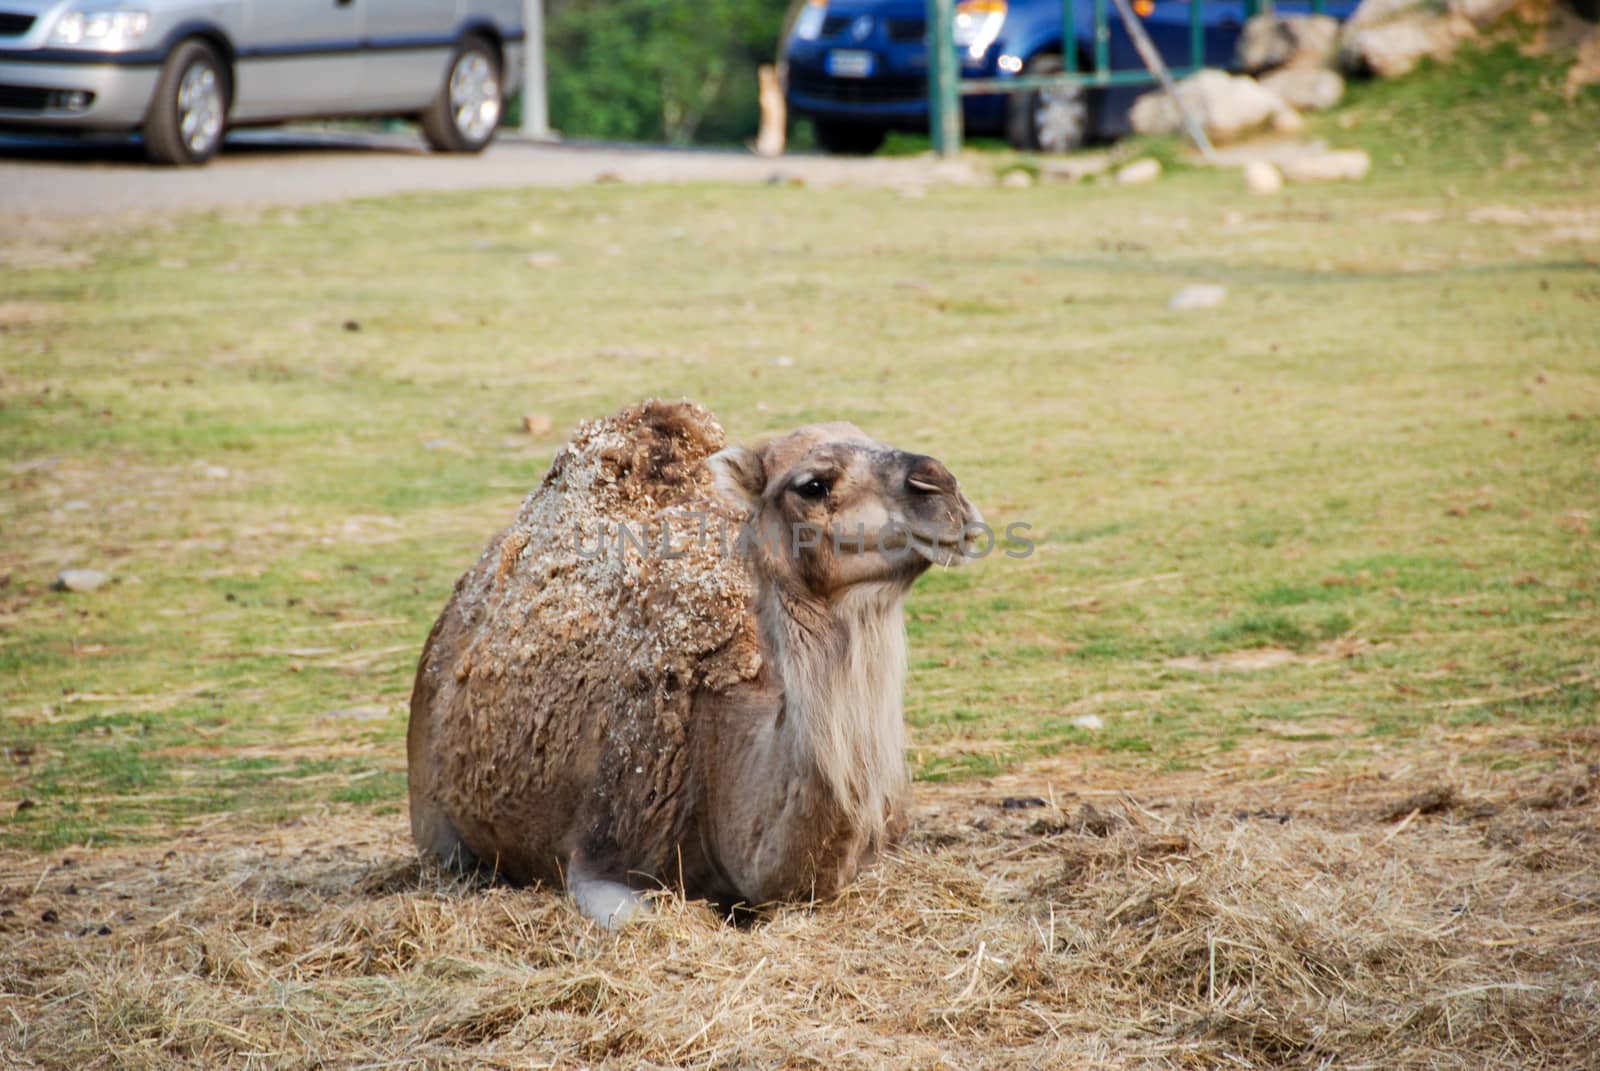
x,y
812,487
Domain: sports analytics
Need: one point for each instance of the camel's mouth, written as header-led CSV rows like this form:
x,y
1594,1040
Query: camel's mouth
x,y
902,541
949,550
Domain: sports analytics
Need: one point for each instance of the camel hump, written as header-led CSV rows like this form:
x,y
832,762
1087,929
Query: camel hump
x,y
582,633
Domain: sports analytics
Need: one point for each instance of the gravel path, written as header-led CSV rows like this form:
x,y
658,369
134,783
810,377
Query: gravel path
x,y
55,183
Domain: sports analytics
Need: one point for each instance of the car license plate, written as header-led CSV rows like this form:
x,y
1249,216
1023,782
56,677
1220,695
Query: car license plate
x,y
850,63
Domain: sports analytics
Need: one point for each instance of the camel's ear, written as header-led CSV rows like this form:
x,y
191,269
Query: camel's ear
x,y
739,474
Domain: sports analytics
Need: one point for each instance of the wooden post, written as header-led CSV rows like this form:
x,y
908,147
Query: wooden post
x,y
774,112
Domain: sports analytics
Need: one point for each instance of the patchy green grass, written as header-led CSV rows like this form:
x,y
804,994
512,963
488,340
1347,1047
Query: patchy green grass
x,y
1379,459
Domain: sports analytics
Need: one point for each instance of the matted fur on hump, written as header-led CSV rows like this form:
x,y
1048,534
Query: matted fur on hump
x,y
579,652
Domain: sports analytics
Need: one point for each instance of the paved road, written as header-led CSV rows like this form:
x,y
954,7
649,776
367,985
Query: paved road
x,y
45,182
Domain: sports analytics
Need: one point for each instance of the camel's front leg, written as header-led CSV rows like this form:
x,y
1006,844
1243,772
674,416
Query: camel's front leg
x,y
608,902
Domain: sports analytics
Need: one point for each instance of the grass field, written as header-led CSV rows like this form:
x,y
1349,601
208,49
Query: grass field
x,y
1339,530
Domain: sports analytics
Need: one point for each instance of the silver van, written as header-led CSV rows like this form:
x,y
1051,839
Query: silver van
x,y
181,72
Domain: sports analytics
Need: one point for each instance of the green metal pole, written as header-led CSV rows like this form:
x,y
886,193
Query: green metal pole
x,y
944,96
1069,36
1102,39
1197,37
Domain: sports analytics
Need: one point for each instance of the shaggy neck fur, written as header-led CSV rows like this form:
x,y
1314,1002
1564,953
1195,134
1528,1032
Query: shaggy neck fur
x,y
843,669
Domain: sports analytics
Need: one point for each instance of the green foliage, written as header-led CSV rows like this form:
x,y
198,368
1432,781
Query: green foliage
x,y
660,69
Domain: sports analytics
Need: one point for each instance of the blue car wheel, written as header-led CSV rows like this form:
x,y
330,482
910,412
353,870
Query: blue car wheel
x,y
1053,119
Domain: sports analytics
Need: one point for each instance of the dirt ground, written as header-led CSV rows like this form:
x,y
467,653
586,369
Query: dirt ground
x,y
1424,915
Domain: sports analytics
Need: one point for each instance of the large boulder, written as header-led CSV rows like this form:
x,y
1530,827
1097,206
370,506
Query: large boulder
x,y
1272,41
1306,89
1586,68
1227,106
1482,13
1377,12
1390,37
1393,48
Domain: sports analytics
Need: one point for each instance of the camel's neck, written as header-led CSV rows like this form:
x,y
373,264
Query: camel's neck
x,y
842,669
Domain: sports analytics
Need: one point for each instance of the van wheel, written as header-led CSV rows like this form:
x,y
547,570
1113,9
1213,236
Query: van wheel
x,y
1052,119
466,113
189,113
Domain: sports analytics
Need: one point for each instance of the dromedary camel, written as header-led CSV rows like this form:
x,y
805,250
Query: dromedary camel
x,y
682,665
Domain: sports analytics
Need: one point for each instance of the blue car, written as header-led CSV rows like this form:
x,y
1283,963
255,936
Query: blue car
x,y
859,68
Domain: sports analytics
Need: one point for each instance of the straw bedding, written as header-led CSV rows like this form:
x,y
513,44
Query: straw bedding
x,y
1186,921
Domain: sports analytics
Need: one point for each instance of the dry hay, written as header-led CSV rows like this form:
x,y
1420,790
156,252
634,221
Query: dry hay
x,y
1172,922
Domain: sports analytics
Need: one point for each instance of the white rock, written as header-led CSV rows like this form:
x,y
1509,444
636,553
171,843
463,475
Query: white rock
x,y
1089,722
1262,178
1016,179
1394,48
1377,12
1269,41
1139,172
1340,165
1287,121
1482,13
1227,106
543,258
1197,296
1306,89
79,579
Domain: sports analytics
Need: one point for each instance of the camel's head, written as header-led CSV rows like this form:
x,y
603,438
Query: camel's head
x,y
832,508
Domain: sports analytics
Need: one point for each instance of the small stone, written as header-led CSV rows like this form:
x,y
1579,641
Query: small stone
x,y
543,258
1139,172
352,325
80,580
1340,165
1197,296
1089,722
1287,121
783,362
1016,179
49,915
536,424
1262,178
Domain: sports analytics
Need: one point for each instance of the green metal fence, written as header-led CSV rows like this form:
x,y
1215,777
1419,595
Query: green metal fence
x,y
946,87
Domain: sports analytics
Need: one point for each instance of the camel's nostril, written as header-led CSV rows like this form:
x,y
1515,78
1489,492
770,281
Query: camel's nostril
x,y
927,477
